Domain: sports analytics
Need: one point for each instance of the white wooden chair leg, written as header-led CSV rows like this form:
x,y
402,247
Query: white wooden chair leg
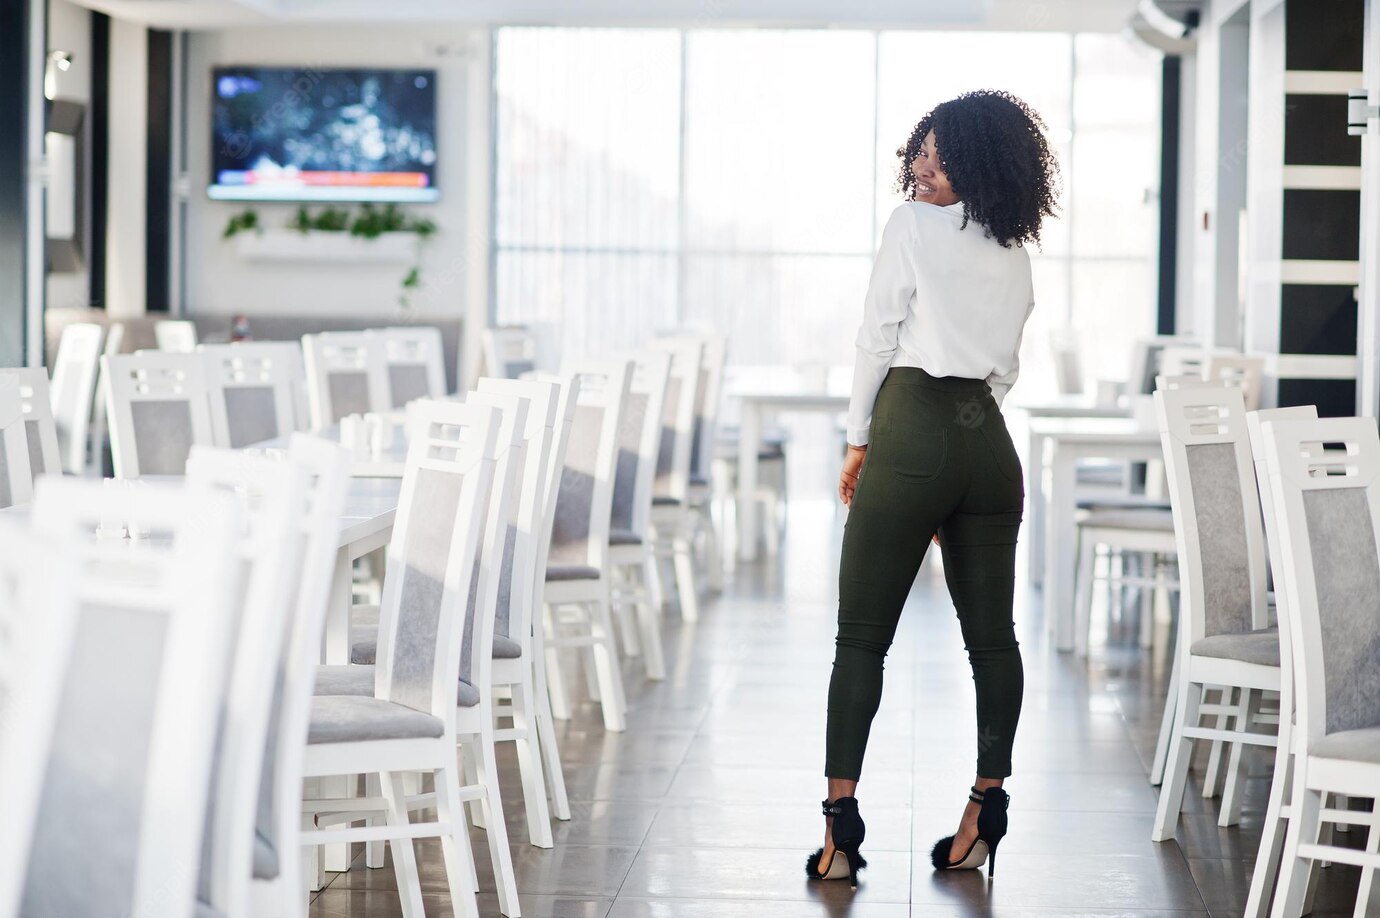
x,y
651,572
628,637
713,551
546,743
1343,802
685,580
529,767
1293,873
1082,622
1147,602
555,684
1171,707
611,697
1367,884
1230,812
649,623
1267,856
313,864
469,774
409,881
374,852
1214,764
455,845
505,878
1176,771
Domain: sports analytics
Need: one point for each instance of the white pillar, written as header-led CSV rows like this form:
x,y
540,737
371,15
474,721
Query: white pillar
x,y
1368,298
126,224
478,201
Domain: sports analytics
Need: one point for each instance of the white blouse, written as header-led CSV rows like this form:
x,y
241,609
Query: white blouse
x,y
952,302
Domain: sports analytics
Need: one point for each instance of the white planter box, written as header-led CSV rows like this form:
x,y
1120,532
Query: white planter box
x,y
289,245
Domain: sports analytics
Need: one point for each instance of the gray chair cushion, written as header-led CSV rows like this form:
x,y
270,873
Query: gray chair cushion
x,y
365,653
407,382
1227,591
358,681
1145,520
162,436
698,481
665,502
205,911
354,718
265,858
624,537
252,414
1260,647
571,572
1350,745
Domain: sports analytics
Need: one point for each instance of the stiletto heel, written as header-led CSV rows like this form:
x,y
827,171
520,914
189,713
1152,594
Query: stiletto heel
x,y
847,834
992,825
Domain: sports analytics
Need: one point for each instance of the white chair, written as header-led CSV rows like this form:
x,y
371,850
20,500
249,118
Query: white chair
x,y
509,351
414,361
126,775
345,375
251,389
1278,810
40,431
1068,368
672,524
175,335
114,344
708,396
1237,370
37,626
16,477
73,391
556,398
158,411
269,549
277,873
577,601
1328,500
1223,639
518,667
631,563
410,720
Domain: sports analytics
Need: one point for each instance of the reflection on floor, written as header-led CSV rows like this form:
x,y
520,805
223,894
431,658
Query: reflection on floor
x,y
707,806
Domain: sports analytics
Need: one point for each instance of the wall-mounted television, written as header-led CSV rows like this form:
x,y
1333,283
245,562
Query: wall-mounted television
x,y
312,134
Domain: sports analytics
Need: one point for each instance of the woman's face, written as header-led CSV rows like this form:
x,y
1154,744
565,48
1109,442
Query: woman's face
x,y
931,184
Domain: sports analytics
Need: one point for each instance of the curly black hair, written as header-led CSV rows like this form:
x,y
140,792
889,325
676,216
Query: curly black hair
x,y
993,149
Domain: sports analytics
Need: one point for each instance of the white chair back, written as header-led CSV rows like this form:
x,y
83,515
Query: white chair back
x,y
345,375
415,363
1068,367
580,530
1237,370
1217,522
1146,362
1325,475
37,627
175,335
672,480
136,724
158,411
434,558
16,478
252,390
513,619
509,351
40,431
639,443
269,548
73,390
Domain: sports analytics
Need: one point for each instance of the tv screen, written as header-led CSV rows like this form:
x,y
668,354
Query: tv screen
x,y
308,134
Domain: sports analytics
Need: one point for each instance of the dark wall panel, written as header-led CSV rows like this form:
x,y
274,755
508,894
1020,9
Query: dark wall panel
x,y
1323,34
14,73
1322,224
100,153
158,171
1315,132
1335,398
1317,319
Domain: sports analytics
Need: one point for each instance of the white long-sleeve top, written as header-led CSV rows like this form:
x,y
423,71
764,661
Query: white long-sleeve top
x,y
952,302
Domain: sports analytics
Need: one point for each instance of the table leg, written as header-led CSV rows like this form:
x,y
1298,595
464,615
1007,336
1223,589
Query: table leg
x,y
749,446
1059,547
1035,491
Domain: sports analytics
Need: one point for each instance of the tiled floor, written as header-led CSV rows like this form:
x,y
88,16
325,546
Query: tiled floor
x,y
708,804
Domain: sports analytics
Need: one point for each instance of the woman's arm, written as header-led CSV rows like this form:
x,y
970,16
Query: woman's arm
x,y
887,302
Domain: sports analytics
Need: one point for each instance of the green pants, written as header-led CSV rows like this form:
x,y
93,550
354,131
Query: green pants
x,y
940,460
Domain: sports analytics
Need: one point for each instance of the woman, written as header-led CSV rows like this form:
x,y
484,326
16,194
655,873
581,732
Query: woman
x,y
929,454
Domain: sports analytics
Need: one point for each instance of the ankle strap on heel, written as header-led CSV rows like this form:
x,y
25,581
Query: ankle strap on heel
x,y
840,806
975,795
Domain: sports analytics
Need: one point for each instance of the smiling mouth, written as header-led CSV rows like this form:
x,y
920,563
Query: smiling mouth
x,y
923,188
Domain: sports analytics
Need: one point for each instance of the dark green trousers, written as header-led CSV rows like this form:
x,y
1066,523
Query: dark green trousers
x,y
939,460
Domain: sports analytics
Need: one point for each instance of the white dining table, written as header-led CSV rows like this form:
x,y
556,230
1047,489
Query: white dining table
x,y
756,405
387,463
1056,447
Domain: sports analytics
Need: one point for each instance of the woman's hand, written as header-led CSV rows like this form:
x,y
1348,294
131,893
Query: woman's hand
x,y
848,478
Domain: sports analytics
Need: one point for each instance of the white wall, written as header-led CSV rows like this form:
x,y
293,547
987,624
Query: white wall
x,y
126,167
454,261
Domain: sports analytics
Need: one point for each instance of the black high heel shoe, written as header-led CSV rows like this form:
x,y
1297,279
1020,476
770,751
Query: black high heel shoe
x,y
847,834
991,830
